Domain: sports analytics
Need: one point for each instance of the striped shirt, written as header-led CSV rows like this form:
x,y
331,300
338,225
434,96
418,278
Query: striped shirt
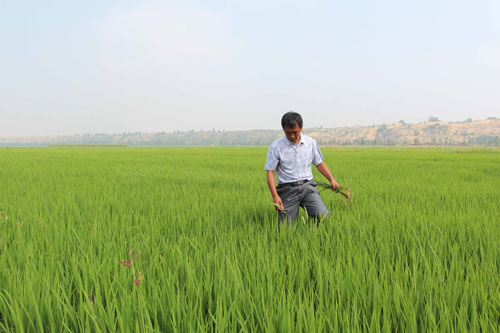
x,y
292,162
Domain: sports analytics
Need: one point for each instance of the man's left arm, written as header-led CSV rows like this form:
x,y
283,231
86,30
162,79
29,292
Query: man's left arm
x,y
317,160
323,169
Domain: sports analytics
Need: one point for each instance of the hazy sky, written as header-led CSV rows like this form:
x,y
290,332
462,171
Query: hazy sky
x,y
103,66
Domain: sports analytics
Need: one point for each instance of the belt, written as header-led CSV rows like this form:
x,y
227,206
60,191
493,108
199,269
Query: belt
x,y
297,183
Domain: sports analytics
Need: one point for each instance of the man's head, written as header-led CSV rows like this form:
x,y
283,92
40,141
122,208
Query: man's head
x,y
291,122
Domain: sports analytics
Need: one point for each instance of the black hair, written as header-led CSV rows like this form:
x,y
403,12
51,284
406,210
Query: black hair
x,y
290,119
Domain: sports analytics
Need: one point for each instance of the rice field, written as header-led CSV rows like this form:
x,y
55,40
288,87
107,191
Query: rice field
x,y
174,239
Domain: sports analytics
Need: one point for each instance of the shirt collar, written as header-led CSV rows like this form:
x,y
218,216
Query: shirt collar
x,y
293,144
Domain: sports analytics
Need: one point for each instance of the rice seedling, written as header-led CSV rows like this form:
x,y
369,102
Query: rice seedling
x,y
342,190
278,207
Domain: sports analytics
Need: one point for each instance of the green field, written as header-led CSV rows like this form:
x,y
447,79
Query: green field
x,y
418,248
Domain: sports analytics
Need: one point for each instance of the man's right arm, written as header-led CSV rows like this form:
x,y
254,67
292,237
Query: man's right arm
x,y
271,183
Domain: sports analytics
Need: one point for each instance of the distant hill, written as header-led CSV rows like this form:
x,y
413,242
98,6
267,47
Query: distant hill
x,y
481,132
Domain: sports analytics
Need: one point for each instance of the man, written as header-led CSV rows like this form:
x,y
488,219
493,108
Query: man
x,y
290,158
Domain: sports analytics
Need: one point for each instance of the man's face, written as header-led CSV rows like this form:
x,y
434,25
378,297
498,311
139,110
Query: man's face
x,y
293,133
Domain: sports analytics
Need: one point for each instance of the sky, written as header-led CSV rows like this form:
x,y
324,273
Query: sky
x,y
103,66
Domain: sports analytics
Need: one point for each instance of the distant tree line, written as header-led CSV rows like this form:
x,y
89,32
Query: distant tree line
x,y
436,133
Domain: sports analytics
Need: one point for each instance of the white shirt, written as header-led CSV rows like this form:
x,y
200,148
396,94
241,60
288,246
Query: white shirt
x,y
292,162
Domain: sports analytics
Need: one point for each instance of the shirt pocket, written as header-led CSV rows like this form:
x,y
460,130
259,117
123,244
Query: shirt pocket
x,y
288,159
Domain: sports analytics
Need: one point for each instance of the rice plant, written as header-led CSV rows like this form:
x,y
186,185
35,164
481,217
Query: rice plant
x,y
342,190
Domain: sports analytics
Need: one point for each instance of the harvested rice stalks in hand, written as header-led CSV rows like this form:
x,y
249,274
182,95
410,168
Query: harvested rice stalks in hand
x,y
342,190
278,207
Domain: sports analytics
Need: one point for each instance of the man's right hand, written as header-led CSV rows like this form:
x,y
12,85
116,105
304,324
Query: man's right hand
x,y
278,204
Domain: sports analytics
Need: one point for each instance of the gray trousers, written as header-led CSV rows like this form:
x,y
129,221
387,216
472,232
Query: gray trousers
x,y
306,196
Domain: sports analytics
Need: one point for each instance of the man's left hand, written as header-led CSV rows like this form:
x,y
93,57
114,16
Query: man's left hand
x,y
334,185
